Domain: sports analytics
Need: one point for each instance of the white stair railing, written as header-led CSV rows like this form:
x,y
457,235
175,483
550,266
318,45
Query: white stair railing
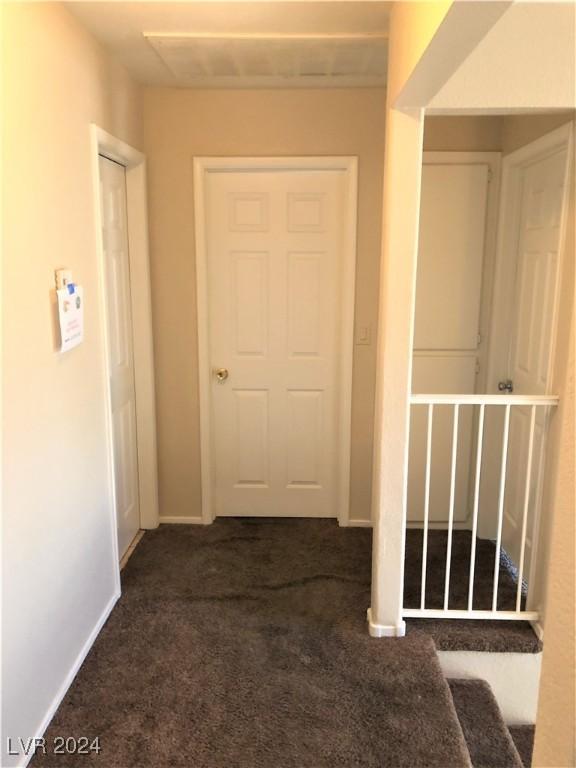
x,y
482,402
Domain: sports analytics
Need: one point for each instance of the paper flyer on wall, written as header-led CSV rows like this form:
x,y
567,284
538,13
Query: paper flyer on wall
x,y
71,316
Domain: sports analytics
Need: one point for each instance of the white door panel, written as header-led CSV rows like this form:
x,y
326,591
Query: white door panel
x,y
543,189
275,260
450,256
537,268
120,351
446,335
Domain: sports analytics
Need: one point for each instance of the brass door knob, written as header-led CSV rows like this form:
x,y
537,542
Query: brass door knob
x,y
221,374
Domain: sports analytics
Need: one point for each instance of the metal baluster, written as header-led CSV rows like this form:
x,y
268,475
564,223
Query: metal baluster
x,y
426,504
476,501
452,496
501,506
526,503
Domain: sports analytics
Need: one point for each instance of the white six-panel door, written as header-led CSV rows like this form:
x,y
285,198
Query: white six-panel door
x,y
275,247
120,349
542,191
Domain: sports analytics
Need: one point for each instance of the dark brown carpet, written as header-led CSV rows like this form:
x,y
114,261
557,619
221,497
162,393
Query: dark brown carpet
x,y
488,739
523,737
451,635
244,644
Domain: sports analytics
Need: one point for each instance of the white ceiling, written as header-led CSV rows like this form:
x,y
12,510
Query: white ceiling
x,y
244,44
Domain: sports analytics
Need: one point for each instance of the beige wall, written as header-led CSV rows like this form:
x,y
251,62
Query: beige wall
x,y
180,124
518,130
488,133
555,744
470,133
59,569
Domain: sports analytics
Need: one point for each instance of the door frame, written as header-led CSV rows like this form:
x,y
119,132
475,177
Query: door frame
x,y
103,143
202,167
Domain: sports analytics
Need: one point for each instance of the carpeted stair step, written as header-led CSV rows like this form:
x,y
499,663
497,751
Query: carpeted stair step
x,y
487,736
523,736
456,634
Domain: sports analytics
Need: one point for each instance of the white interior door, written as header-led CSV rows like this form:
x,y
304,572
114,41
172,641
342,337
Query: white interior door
x,y
541,195
447,325
275,265
121,359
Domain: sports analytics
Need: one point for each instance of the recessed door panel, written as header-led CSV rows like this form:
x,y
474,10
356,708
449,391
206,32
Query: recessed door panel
x,y
250,297
248,212
252,437
304,440
305,212
305,293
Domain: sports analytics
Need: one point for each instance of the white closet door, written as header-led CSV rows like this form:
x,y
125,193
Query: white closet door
x,y
121,358
446,335
543,191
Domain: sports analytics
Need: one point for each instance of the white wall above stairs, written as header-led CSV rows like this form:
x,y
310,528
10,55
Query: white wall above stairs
x,y
513,677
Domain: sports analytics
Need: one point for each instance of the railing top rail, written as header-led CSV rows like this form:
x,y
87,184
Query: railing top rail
x,y
484,399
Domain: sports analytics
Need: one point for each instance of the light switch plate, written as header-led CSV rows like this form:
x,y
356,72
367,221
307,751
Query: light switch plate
x,y
363,334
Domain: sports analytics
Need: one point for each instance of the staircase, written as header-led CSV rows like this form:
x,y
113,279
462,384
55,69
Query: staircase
x,y
244,643
507,654
490,742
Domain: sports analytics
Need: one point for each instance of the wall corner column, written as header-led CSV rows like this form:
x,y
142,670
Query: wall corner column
x,y
401,205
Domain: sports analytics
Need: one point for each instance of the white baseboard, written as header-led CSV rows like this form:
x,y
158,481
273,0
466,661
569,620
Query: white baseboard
x,y
359,524
129,552
200,521
69,679
385,630
182,520
538,629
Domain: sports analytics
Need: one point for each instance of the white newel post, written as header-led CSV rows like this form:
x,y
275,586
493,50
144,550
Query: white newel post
x,y
401,203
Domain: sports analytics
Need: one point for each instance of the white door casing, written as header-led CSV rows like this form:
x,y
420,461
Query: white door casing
x,y
275,269
120,349
457,213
